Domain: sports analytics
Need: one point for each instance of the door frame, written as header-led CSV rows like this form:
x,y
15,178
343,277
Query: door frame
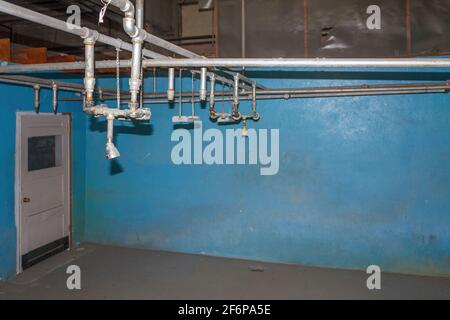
x,y
18,180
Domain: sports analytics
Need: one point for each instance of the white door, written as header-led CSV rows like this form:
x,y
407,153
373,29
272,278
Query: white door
x,y
43,185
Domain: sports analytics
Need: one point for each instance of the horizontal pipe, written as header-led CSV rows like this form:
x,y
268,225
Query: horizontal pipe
x,y
305,96
301,63
45,83
249,63
316,92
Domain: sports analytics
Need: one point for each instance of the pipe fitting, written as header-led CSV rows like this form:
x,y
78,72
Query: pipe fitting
x,y
89,36
129,25
102,110
125,6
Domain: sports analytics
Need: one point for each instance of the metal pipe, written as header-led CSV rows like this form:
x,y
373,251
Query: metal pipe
x,y
171,84
235,113
302,63
111,150
138,36
55,98
44,83
37,100
439,87
202,91
135,79
62,66
419,63
304,96
127,6
212,110
89,74
140,14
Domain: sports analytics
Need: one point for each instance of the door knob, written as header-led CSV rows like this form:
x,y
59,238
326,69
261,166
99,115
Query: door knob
x,y
26,200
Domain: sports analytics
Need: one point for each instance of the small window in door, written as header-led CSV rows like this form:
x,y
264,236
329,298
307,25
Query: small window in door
x,y
44,152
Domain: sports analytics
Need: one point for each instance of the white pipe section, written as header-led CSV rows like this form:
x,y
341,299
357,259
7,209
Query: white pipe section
x,y
140,12
171,84
302,63
55,98
202,92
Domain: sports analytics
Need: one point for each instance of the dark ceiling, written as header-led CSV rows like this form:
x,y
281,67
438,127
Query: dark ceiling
x,y
162,18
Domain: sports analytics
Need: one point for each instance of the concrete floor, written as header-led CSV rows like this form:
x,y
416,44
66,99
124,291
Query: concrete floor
x,y
122,273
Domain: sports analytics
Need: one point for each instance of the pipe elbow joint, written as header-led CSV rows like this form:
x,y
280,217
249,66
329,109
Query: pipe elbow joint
x,y
129,25
128,9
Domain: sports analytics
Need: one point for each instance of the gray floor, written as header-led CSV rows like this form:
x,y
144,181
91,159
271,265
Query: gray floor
x,y
123,273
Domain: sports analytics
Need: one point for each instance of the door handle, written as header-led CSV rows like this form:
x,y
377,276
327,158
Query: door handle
x,y
26,200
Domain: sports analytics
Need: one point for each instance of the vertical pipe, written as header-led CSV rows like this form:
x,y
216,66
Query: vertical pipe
x,y
89,73
55,98
212,110
171,84
140,14
37,102
110,130
243,31
203,74
111,150
135,80
235,113
138,35
89,77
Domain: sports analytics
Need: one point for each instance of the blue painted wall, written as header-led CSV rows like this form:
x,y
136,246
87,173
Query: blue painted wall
x,y
18,98
362,180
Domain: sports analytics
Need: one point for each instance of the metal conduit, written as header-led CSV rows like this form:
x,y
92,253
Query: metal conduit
x,y
417,63
314,92
302,63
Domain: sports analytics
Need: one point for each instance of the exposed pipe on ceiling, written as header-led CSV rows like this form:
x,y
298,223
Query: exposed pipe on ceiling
x,y
415,63
57,24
